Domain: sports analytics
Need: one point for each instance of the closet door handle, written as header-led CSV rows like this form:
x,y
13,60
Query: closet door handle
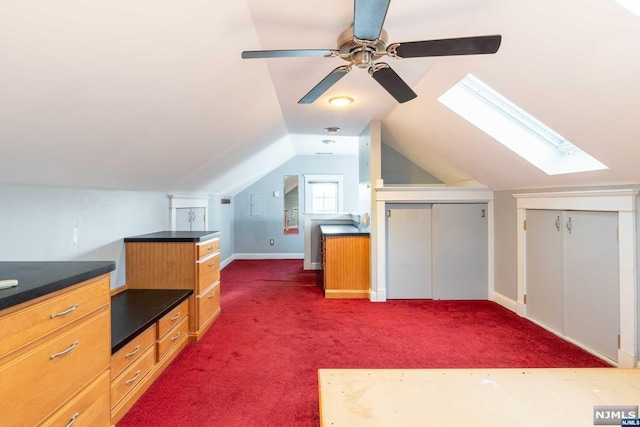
x,y
569,225
558,223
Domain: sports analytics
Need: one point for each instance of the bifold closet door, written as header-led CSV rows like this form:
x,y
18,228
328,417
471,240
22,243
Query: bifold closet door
x,y
544,267
592,293
409,251
460,251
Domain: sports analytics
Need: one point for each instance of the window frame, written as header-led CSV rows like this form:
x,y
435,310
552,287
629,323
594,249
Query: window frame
x,y
309,180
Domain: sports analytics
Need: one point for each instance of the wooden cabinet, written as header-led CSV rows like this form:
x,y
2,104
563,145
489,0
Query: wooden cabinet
x,y
55,356
139,358
166,261
345,263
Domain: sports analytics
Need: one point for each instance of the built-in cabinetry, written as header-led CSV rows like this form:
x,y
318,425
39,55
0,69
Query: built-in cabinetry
x,y
577,268
437,251
179,260
54,348
191,219
345,261
149,328
572,276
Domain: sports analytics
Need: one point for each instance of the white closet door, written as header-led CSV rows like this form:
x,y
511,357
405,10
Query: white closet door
x,y
409,251
198,222
592,301
183,219
460,251
544,267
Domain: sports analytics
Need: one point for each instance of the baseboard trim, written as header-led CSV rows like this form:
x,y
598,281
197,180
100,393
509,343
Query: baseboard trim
x,y
269,256
508,303
228,260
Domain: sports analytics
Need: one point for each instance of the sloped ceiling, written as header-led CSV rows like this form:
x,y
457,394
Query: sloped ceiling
x,y
154,95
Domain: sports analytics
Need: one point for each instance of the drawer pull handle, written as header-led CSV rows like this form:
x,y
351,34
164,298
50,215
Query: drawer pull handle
x,y
73,419
176,317
176,337
135,377
211,264
211,295
126,356
210,248
63,352
62,313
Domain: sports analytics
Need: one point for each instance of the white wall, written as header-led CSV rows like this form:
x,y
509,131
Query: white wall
x,y
37,223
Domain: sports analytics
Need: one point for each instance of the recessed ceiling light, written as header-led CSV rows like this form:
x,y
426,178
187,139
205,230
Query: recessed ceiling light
x,y
328,141
332,130
340,101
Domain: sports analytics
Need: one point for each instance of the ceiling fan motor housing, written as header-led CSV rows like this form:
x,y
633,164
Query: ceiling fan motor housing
x,y
361,53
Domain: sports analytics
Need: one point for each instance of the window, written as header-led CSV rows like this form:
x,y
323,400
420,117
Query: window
x,y
516,129
631,5
323,193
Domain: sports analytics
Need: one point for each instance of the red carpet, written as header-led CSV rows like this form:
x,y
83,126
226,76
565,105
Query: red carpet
x,y
257,365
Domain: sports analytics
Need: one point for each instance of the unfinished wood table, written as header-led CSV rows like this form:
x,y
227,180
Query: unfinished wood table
x,y
478,397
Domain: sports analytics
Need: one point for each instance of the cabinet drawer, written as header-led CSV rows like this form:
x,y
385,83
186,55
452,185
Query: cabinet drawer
x,y
173,338
130,377
25,326
208,273
208,303
90,408
34,384
208,248
172,318
130,352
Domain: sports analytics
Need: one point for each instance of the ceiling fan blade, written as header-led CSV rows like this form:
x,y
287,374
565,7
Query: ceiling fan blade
x,y
289,53
392,82
325,84
446,47
368,18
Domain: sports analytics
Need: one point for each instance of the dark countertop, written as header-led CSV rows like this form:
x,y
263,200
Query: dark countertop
x,y
134,310
342,230
174,236
39,278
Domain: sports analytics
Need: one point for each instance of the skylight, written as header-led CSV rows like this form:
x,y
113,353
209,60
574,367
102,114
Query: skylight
x,y
516,129
631,5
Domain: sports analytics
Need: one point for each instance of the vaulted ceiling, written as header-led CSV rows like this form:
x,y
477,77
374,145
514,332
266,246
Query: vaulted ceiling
x,y
153,95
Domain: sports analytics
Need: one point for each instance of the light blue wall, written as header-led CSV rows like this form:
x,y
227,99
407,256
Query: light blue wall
x,y
37,222
252,233
399,170
221,219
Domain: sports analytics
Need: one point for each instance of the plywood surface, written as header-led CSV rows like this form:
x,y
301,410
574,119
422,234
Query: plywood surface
x,y
478,397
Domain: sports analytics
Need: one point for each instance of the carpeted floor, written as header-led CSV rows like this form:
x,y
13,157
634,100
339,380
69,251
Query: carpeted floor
x,y
257,365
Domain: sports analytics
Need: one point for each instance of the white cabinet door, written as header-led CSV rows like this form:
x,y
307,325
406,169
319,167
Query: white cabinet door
x,y
409,251
592,294
460,251
544,267
572,276
183,219
198,219
191,219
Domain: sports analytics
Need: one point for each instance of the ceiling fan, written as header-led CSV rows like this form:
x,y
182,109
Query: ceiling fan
x,y
366,42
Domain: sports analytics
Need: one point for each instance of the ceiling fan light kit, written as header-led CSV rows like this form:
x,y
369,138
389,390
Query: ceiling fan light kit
x,y
366,42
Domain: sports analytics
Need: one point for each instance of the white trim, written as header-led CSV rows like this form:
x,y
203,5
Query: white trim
x,y
227,261
576,343
269,256
621,201
384,195
338,218
508,303
310,179
181,201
